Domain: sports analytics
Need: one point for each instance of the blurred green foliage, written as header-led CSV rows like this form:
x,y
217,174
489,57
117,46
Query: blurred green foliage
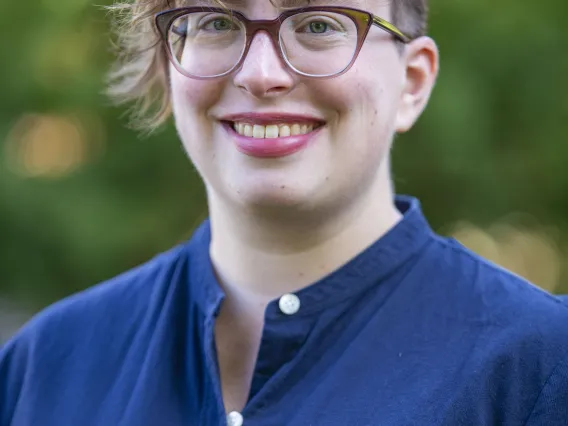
x,y
492,142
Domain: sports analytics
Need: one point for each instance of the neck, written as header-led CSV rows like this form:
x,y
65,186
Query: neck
x,y
259,257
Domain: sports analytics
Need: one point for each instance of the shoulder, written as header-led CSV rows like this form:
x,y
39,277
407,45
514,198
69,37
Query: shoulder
x,y
489,287
101,335
513,335
68,337
123,296
509,312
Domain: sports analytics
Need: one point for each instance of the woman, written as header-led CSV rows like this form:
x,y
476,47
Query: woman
x,y
312,295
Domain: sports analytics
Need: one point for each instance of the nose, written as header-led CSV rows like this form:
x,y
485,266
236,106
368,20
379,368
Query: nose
x,y
263,73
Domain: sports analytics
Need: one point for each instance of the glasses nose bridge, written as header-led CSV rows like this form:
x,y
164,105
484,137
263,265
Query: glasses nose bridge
x,y
271,27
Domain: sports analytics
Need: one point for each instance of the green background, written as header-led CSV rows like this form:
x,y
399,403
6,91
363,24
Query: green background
x,y
83,198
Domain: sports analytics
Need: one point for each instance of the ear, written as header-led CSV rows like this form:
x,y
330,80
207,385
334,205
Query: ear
x,y
421,59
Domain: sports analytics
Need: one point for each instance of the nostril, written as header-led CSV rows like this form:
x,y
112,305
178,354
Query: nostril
x,y
263,86
279,89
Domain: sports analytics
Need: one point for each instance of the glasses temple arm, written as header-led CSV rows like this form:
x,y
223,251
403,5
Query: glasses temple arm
x,y
387,26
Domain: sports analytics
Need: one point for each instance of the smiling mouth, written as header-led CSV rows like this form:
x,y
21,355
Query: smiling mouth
x,y
273,131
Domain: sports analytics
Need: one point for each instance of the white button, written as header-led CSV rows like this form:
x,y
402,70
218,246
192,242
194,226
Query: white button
x,y
289,304
234,418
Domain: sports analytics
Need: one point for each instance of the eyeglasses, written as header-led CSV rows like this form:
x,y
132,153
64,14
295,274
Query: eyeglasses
x,y
207,42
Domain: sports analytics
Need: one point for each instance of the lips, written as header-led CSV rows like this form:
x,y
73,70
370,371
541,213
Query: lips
x,y
271,135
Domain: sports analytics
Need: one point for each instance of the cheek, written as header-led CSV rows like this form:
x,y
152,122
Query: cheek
x,y
192,101
364,107
361,96
195,96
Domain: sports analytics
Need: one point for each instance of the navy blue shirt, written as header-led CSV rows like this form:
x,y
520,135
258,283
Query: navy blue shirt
x,y
416,330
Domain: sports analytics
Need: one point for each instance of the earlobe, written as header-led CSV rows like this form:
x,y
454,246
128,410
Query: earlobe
x,y
422,62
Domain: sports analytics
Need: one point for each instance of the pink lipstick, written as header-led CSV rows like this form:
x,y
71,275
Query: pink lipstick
x,y
271,135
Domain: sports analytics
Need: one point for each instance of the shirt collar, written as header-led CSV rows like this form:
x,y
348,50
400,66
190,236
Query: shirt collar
x,y
368,268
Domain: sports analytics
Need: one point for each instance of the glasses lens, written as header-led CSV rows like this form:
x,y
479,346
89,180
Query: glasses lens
x,y
206,44
319,43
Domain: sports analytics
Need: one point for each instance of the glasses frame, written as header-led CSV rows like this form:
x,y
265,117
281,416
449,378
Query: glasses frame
x,y
362,19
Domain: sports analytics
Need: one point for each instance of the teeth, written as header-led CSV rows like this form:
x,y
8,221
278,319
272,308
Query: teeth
x,y
273,130
258,131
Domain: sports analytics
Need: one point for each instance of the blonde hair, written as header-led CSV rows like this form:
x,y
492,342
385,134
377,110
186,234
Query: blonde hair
x,y
139,75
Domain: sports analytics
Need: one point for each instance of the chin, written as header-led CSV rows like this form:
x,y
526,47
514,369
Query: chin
x,y
264,182
268,195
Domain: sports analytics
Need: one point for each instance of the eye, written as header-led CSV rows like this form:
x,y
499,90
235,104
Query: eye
x,y
318,27
220,24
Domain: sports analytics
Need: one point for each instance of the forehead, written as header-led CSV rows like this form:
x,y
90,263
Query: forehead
x,y
370,5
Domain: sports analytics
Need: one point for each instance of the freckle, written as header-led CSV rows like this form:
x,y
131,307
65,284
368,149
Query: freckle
x,y
283,186
376,112
301,274
327,178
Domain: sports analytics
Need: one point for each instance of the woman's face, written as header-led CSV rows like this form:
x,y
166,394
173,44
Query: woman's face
x,y
357,114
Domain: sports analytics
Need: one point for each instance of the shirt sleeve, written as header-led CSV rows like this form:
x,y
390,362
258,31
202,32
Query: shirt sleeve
x,y
12,366
551,408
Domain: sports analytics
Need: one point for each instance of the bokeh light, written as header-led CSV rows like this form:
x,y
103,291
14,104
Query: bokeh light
x,y
529,252
51,145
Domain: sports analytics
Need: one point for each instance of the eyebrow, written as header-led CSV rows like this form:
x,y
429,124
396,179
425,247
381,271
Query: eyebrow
x,y
282,4
213,3
285,4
